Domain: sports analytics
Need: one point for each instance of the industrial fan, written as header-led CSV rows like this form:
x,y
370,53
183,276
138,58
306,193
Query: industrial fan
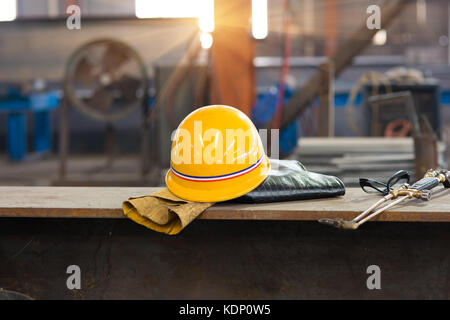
x,y
105,80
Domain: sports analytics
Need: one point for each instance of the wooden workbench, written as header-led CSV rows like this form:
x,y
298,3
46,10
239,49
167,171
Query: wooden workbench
x,y
96,202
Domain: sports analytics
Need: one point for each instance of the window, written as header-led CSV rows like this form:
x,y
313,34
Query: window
x,y
201,9
8,10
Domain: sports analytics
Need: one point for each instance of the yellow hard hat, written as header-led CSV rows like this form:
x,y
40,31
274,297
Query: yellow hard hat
x,y
217,155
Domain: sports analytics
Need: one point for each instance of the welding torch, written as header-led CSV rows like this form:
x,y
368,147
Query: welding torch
x,y
420,190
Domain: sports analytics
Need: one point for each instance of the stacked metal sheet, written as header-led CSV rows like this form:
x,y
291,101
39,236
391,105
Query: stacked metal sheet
x,y
352,158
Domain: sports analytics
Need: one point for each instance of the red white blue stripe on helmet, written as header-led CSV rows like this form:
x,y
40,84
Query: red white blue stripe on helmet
x,y
218,178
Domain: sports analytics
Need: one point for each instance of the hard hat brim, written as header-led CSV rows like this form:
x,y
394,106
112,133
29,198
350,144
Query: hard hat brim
x,y
217,191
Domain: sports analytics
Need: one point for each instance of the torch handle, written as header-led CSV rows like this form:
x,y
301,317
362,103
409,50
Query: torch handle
x,y
425,184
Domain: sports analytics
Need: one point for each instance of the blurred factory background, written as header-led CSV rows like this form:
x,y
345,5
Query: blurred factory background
x,y
96,105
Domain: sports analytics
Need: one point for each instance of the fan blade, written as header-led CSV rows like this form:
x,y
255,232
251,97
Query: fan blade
x,y
83,73
113,57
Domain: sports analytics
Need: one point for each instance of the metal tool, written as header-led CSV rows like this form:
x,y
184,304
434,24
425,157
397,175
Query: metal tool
x,y
420,190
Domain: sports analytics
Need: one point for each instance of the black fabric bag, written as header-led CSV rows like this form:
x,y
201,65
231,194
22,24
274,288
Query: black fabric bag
x,y
289,180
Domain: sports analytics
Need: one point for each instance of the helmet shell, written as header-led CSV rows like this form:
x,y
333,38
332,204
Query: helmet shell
x,y
217,155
